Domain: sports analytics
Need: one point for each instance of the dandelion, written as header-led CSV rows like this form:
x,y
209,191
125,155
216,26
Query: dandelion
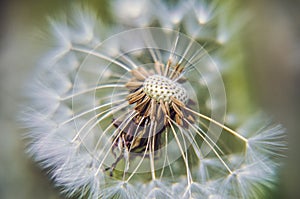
x,y
140,113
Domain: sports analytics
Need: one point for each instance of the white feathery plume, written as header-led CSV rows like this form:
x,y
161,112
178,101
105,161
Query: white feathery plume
x,y
139,114
136,13
170,16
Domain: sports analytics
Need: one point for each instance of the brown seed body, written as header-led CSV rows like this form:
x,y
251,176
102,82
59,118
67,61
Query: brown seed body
x,y
157,100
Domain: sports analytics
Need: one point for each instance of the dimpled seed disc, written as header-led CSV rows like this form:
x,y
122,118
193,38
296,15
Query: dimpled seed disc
x,y
160,87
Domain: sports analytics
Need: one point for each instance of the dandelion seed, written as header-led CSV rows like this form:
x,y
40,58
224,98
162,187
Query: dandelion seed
x,y
133,12
128,116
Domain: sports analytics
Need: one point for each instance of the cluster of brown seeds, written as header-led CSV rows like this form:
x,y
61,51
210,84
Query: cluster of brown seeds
x,y
158,100
157,95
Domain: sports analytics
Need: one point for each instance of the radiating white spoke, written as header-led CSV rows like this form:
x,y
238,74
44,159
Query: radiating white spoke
x,y
151,151
172,53
209,139
126,122
92,89
219,124
185,52
191,139
100,56
188,172
90,110
109,112
212,148
141,161
166,156
106,130
130,61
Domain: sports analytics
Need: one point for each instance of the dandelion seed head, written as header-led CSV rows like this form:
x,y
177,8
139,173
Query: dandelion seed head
x,y
139,114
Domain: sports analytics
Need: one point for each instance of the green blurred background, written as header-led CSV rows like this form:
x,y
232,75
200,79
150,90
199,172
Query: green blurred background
x,y
272,41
